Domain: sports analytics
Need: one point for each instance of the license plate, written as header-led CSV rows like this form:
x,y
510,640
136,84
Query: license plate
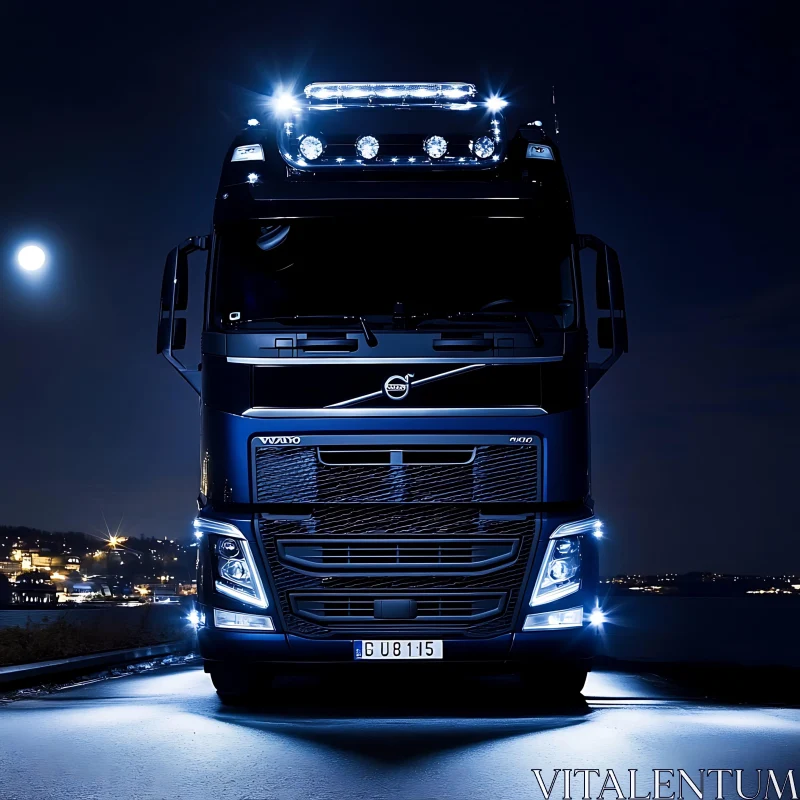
x,y
397,649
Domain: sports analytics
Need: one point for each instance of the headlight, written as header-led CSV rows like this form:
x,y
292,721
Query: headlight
x,y
560,574
235,571
367,147
311,147
435,146
483,147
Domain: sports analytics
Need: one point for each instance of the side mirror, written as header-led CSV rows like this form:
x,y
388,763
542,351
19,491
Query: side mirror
x,y
178,335
605,334
612,330
608,283
175,297
176,279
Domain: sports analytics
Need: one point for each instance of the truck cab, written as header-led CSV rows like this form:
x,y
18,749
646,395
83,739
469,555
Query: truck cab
x,y
397,359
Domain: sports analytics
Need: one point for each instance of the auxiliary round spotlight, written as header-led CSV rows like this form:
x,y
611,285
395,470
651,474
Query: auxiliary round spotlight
x,y
367,147
435,146
483,147
311,147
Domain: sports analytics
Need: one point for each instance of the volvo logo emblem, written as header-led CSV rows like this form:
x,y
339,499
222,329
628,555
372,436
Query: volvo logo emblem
x,y
279,439
396,387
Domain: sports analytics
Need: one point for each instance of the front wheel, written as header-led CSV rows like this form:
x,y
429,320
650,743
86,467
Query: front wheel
x,y
238,685
558,681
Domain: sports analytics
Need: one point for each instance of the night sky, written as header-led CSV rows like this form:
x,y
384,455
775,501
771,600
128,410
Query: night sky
x,y
679,139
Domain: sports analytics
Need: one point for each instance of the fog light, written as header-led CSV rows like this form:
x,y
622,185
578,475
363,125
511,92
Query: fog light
x,y
435,146
367,146
196,618
483,147
597,617
549,620
311,147
246,622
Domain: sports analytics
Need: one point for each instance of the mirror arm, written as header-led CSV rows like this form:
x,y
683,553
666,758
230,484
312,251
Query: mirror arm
x,y
191,245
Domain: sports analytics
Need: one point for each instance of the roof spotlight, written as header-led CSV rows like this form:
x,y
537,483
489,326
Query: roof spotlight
x,y
483,146
495,103
311,147
367,146
435,146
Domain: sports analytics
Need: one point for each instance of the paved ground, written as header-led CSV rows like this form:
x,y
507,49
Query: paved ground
x,y
165,735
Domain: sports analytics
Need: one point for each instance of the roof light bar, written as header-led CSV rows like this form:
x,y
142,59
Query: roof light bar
x,y
390,91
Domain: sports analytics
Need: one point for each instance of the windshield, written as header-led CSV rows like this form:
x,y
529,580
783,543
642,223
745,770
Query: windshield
x,y
333,268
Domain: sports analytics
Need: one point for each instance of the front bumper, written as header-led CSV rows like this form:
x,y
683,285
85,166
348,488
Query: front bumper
x,y
509,650
510,647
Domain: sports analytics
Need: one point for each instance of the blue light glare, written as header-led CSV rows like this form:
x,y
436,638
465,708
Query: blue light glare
x,y
253,122
597,618
253,177
283,102
495,104
195,618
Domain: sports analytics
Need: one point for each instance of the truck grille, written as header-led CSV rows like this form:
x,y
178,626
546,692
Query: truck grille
x,y
416,552
435,556
405,474
423,608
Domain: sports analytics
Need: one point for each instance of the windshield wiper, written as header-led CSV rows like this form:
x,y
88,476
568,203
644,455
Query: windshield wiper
x,y
537,337
370,337
368,334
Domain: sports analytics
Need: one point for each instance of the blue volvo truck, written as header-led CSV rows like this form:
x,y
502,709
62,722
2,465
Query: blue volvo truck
x,y
397,357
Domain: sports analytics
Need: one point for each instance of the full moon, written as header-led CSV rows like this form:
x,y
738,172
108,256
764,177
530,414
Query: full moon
x,y
31,257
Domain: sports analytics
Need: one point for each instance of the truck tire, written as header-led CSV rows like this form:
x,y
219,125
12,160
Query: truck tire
x,y
560,681
237,685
